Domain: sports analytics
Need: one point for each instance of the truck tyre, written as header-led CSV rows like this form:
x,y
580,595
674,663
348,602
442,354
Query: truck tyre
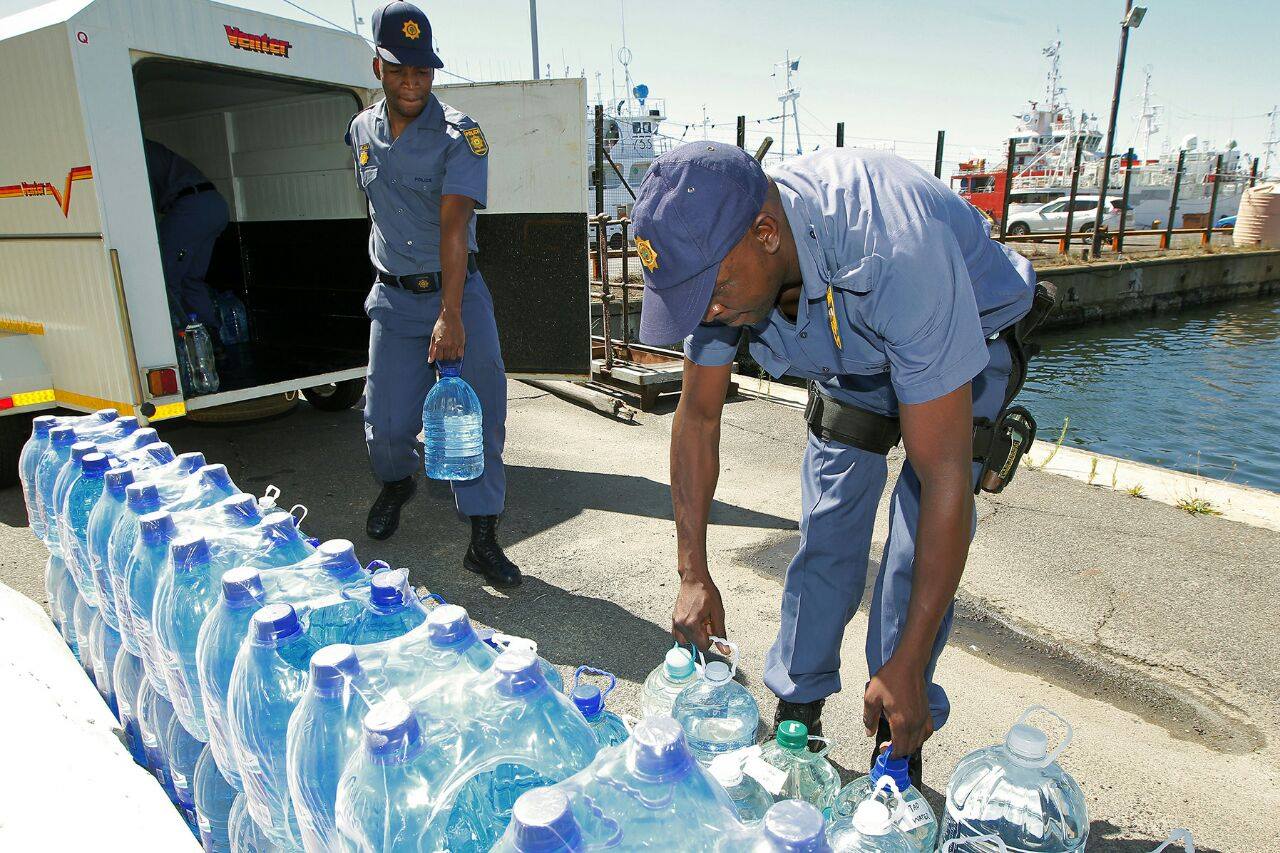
x,y
14,432
336,396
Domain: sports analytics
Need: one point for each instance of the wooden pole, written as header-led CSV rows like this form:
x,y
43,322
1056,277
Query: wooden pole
x,y
1118,244
1173,201
599,173
742,131
1064,245
937,156
839,134
1213,201
1008,185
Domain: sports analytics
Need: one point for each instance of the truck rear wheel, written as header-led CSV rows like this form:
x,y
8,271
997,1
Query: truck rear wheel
x,y
14,432
336,396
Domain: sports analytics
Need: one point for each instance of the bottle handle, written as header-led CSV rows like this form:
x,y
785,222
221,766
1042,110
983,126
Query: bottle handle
x,y
269,495
505,641
437,598
1052,756
1179,836
733,653
990,838
376,566
826,747
886,783
698,658
297,522
591,670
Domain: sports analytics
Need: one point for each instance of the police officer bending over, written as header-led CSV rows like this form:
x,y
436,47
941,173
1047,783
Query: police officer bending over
x,y
862,273
424,168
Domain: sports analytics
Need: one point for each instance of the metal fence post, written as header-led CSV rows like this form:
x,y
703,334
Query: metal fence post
x,y
742,131
1008,185
1213,201
839,134
1166,240
1064,245
937,157
602,250
626,285
1253,173
763,149
1118,243
599,172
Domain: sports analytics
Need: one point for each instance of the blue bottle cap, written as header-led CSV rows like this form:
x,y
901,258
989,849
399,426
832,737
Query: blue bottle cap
x,y
518,672
392,734
389,590
216,477
81,449
190,462
161,454
544,823
106,415
190,552
275,623
449,368
242,586
279,525
117,479
338,557
155,528
126,425
796,827
894,768
449,626
192,318
41,425
658,751
142,498
62,436
241,510
588,699
144,437
94,464
332,667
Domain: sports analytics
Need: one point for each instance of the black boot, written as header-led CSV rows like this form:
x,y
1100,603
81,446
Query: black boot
x,y
809,713
485,557
384,517
915,762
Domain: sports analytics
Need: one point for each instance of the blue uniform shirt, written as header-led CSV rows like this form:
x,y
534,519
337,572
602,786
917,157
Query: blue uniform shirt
x,y
168,174
902,284
441,152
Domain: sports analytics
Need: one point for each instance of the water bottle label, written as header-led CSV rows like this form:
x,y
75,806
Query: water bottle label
x,y
770,778
914,815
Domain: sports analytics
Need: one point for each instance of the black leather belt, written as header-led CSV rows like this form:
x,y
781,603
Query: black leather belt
x,y
186,191
423,282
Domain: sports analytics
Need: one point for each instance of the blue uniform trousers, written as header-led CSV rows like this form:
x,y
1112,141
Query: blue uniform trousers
x,y
840,489
400,378
187,233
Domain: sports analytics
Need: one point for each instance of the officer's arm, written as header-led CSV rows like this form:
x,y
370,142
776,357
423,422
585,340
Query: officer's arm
x,y
695,468
448,337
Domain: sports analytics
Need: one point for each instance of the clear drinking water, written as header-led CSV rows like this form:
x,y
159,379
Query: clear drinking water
x,y
144,573
453,427
101,521
717,713
27,461
67,599
197,351
791,771
1016,790
214,797
56,577
915,819
51,464
748,795
83,613
82,495
127,678
123,547
666,682
245,834
609,728
184,597
393,609
233,319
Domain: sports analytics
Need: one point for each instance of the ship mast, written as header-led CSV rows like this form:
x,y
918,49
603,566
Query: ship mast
x,y
1149,118
790,95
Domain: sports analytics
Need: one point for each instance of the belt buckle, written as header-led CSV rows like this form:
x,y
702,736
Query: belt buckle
x,y
422,284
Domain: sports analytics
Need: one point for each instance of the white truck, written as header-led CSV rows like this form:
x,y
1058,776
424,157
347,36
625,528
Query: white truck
x,y
260,105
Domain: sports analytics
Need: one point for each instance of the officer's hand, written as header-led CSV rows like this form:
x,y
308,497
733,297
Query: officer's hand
x,y
898,693
448,338
699,613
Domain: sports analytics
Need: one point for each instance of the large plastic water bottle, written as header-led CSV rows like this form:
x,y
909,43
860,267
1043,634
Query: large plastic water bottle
x,y
233,319
435,672
542,822
69,474
453,427
220,638
870,830
184,597
197,351
1017,791
144,574
324,732
267,681
988,844
183,751
82,496
790,826
609,728
717,713
127,678
245,834
27,461
506,642
47,469
104,643
102,519
126,545
154,715
214,797
790,771
58,488
748,795
280,542
677,671
915,819
393,609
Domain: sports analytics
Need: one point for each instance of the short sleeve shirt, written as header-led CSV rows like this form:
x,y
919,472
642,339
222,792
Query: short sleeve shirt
x,y
902,284
441,152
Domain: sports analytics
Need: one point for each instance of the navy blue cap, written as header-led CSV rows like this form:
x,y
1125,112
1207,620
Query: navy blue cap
x,y
94,464
332,667
126,425
588,699
242,586
695,204
658,751
142,437
402,35
189,552
338,558
62,436
189,462
518,672
796,827
894,768
449,626
156,528
81,449
543,822
117,480
279,524
392,733
275,623
241,509
41,425
142,498
389,589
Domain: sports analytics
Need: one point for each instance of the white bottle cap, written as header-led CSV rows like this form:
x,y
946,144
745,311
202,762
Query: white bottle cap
x,y
727,769
1027,744
872,818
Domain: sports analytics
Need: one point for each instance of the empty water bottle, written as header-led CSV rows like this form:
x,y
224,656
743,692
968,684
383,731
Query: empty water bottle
x,y
184,597
609,728
452,427
233,319
870,830
788,769
214,797
324,732
393,609
197,353
542,822
27,461
748,795
915,819
127,678
666,682
790,826
717,713
1017,791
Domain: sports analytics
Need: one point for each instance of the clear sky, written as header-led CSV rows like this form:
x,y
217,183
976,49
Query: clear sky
x,y
894,72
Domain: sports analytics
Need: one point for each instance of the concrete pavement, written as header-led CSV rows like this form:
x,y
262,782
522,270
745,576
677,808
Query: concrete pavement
x,y
1152,631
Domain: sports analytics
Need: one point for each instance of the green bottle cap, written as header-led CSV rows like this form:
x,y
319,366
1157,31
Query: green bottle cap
x,y
793,735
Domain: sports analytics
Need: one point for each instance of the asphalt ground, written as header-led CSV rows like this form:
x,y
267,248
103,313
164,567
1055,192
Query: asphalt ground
x,y
1152,631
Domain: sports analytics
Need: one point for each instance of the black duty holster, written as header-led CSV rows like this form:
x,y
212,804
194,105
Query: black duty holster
x,y
998,445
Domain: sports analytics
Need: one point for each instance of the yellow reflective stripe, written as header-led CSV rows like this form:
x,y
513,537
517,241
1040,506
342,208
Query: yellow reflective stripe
x,y
169,410
84,401
831,315
32,398
22,327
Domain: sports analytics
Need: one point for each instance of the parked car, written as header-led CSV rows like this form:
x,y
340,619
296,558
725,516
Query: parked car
x,y
1052,217
1226,222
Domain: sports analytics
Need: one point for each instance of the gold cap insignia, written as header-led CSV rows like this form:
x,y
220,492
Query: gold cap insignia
x,y
475,138
411,30
648,255
364,154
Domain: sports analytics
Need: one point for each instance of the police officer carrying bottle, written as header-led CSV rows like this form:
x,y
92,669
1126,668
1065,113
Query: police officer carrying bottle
x,y
424,168
867,276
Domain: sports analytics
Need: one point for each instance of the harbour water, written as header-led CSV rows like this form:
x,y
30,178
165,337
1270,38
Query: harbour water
x,y
1195,391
